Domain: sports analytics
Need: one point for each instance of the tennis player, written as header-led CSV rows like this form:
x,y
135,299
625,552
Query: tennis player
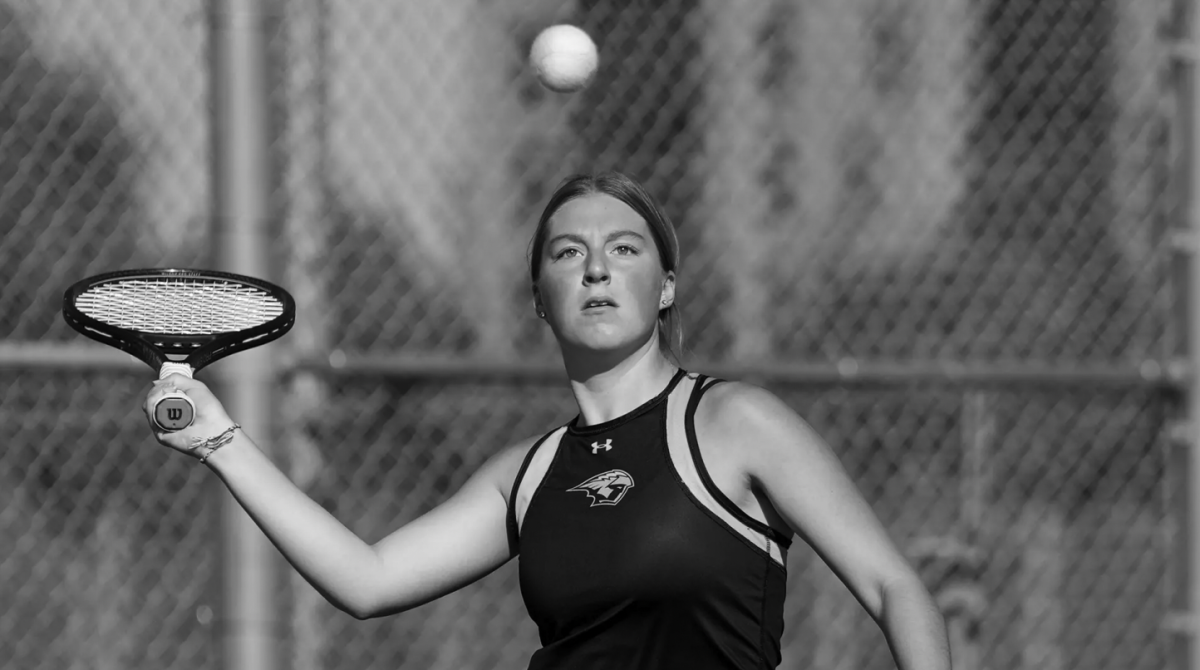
x,y
653,528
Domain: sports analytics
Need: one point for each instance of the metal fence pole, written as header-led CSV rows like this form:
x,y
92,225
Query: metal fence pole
x,y
248,622
1183,476
305,394
1190,227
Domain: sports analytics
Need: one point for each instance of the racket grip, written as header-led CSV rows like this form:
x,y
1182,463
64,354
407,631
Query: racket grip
x,y
174,411
173,368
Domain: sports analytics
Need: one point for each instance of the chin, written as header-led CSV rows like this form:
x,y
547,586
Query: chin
x,y
602,344
606,341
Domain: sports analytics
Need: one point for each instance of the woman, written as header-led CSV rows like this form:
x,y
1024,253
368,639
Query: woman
x,y
653,527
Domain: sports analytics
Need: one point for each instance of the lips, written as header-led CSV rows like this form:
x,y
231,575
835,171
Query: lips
x,y
597,302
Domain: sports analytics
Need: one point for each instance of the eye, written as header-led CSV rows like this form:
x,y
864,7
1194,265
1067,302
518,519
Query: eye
x,y
625,249
565,253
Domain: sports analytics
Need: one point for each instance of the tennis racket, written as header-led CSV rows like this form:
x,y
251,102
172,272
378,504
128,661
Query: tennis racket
x,y
195,316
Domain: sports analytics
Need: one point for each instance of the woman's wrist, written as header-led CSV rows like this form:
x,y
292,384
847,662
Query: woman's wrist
x,y
240,453
204,448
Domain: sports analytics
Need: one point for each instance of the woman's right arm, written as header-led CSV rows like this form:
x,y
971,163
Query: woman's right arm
x,y
450,546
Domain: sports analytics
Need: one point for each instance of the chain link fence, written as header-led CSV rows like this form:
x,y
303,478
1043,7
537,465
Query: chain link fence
x,y
856,183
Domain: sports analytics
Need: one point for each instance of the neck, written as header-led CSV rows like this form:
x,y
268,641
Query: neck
x,y
607,391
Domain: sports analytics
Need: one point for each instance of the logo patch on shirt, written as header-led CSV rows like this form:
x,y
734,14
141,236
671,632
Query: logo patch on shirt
x,y
607,488
597,446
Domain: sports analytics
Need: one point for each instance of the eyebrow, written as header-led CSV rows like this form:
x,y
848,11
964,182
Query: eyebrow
x,y
611,236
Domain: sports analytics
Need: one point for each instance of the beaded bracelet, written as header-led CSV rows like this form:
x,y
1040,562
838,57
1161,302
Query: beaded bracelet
x,y
210,445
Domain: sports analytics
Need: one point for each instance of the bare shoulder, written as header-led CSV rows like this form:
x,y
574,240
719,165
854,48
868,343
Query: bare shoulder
x,y
739,406
755,419
500,471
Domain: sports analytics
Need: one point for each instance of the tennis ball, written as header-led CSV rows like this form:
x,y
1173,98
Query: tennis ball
x,y
564,58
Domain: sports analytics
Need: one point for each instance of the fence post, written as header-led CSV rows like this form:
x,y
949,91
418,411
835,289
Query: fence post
x,y
1189,227
248,619
304,395
1183,463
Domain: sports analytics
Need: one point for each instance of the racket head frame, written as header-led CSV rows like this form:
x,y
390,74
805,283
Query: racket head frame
x,y
197,350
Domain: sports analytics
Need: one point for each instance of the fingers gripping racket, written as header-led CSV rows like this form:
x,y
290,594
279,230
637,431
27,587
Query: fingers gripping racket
x,y
198,316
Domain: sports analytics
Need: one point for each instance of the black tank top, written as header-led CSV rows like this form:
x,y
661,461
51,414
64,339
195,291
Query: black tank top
x,y
630,557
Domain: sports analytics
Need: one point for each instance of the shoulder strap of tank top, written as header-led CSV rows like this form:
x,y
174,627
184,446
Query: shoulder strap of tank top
x,y
689,418
511,514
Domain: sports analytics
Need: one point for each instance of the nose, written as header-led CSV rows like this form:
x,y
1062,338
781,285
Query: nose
x,y
596,271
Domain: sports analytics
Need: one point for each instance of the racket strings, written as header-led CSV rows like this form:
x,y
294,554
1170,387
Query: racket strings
x,y
177,306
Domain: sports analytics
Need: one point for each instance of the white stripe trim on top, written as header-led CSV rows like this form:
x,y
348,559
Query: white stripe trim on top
x,y
535,472
685,467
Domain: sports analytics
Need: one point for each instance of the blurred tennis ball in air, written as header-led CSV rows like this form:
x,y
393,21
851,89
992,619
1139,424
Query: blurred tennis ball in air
x,y
564,58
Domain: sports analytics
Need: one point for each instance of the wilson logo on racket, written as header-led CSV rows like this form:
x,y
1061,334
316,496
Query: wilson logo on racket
x,y
607,488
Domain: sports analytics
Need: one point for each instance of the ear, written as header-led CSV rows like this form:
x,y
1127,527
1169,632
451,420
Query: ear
x,y
537,301
668,291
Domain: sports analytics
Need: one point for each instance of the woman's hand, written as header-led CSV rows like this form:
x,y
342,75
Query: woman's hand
x,y
210,419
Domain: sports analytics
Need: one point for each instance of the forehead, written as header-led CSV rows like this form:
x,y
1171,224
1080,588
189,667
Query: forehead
x,y
596,212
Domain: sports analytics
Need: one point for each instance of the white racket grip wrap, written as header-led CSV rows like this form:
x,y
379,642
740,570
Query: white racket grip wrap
x,y
173,368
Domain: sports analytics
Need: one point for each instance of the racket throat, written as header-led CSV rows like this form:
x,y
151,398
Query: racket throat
x,y
173,368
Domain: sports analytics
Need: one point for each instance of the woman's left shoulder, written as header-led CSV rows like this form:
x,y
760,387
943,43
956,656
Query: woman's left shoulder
x,y
749,412
769,437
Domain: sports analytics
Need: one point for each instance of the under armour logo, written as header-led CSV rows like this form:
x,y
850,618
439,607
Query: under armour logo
x,y
607,488
596,446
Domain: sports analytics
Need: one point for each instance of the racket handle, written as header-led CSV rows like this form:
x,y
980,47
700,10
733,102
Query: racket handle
x,y
173,368
174,411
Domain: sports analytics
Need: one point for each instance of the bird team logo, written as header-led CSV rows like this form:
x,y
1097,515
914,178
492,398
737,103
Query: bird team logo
x,y
606,488
607,446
